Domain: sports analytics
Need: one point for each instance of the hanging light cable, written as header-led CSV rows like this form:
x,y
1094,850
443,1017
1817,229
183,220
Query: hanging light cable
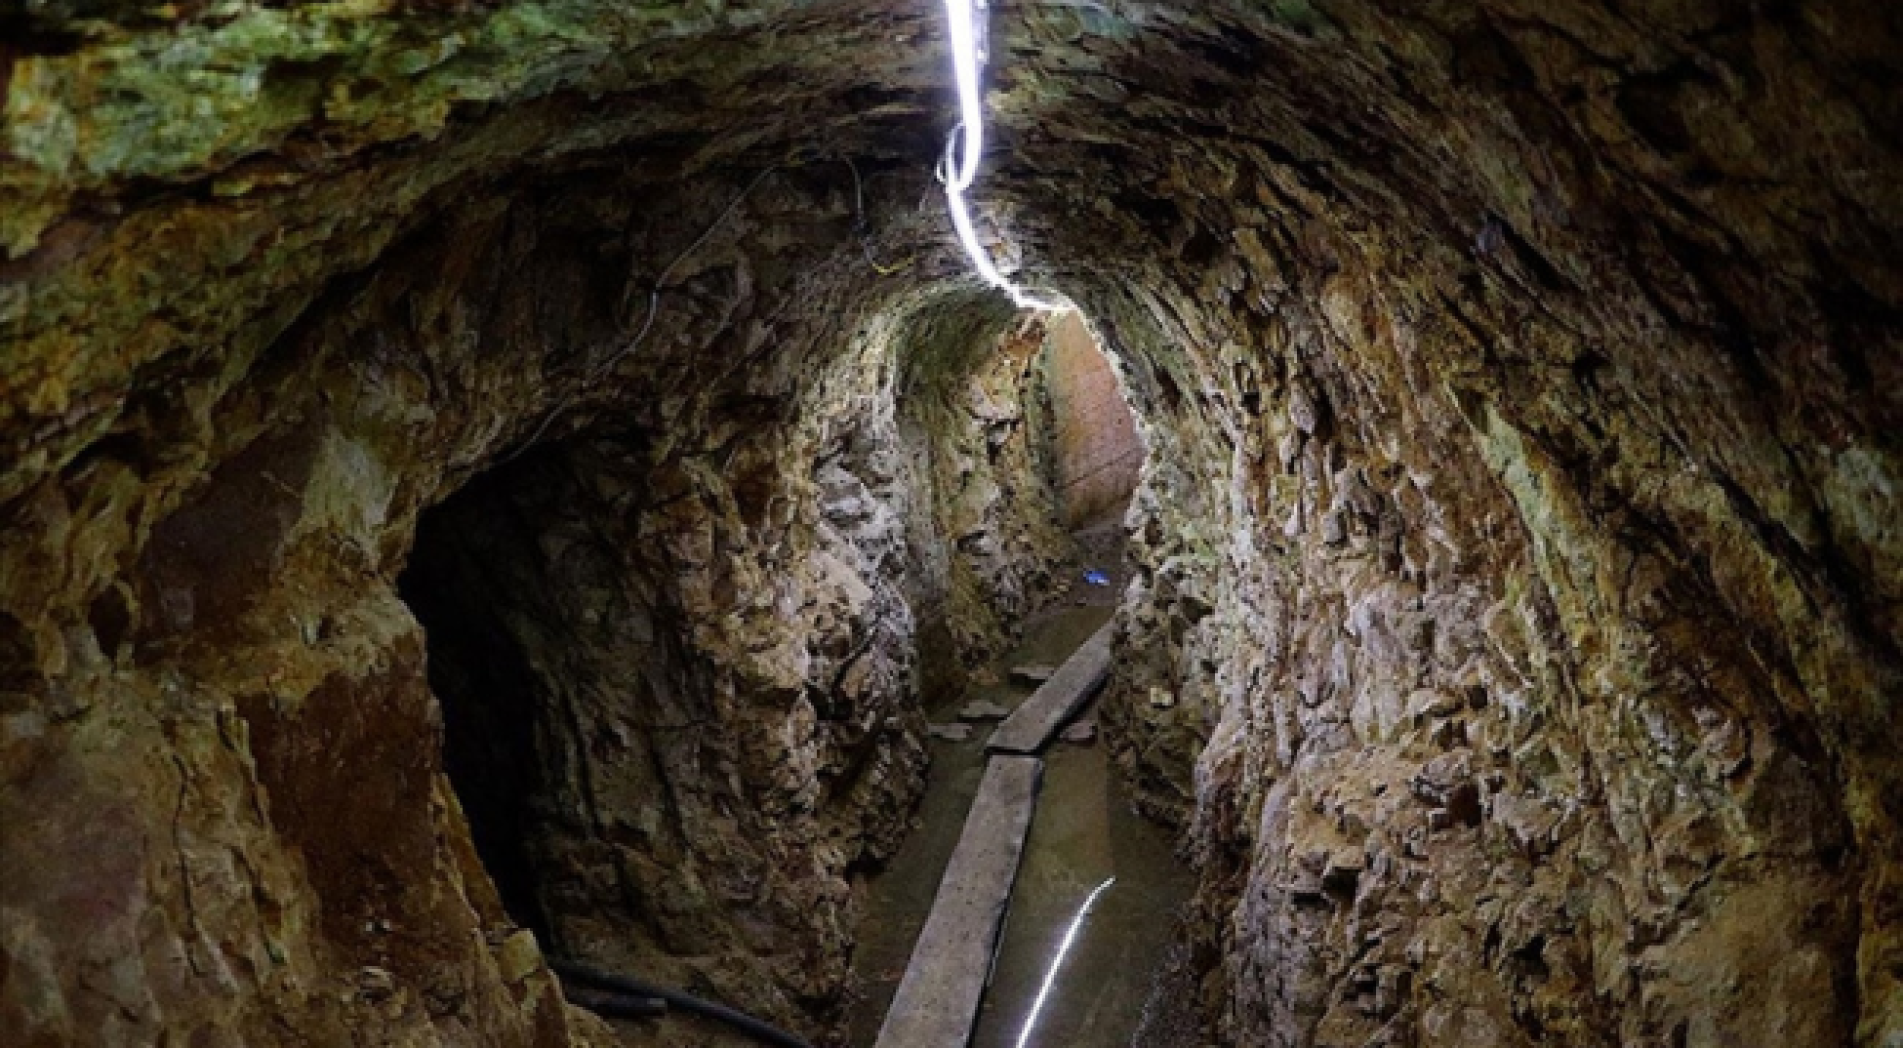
x,y
960,166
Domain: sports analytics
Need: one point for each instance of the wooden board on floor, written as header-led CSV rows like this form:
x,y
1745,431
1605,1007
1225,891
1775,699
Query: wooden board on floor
x,y
1030,727
937,1002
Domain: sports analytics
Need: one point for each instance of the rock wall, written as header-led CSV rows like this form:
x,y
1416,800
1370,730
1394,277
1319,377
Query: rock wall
x,y
694,613
669,651
1513,634
1097,453
974,415
667,761
1516,629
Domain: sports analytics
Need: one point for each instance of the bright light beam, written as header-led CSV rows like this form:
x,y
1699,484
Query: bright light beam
x,y
1050,976
960,167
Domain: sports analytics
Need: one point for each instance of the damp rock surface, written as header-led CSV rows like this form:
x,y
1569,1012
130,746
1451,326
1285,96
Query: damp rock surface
x,y
1513,625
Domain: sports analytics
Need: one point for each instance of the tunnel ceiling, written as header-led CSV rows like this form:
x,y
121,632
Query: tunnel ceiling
x,y
1516,631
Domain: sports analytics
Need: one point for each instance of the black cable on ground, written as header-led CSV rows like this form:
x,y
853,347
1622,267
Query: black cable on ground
x,y
615,1005
590,976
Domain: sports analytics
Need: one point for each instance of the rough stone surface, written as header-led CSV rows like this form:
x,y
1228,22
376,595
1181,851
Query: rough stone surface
x,y
982,710
949,732
1033,674
973,404
1517,622
1508,399
592,676
1082,733
1098,455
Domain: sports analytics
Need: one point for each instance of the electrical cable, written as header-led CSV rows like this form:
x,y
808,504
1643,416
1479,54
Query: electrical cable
x,y
614,1004
862,227
957,170
621,985
654,308
959,167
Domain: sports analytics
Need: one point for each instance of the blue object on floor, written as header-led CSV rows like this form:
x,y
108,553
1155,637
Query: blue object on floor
x,y
1096,578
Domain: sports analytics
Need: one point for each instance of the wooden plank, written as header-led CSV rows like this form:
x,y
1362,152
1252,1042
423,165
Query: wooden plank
x,y
1030,726
937,1001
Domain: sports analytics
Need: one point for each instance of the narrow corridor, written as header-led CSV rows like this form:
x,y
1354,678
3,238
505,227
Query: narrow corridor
x,y
1114,980
504,504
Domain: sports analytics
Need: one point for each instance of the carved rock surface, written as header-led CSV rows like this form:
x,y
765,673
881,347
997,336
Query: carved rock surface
x,y
1517,622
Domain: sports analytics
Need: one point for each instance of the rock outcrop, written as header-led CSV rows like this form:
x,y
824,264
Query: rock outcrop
x,y
1518,624
975,416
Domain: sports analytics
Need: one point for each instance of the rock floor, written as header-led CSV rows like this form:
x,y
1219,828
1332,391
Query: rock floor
x,y
1116,979
1107,987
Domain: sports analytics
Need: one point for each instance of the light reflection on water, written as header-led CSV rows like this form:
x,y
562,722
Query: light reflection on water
x,y
1057,961
1115,986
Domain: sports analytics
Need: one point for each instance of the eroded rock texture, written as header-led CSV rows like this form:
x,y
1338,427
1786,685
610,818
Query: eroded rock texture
x,y
1098,455
976,421
1516,634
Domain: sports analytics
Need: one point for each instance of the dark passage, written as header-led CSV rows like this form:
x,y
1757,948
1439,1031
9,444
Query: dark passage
x,y
467,578
575,710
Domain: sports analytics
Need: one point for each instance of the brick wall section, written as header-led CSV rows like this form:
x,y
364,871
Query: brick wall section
x,y
1098,450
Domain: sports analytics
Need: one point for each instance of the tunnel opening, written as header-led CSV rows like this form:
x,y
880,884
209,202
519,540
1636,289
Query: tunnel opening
x,y
1026,439
496,720
1025,453
569,652
568,701
471,581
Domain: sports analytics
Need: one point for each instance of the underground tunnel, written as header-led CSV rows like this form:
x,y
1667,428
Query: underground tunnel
x,y
497,491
